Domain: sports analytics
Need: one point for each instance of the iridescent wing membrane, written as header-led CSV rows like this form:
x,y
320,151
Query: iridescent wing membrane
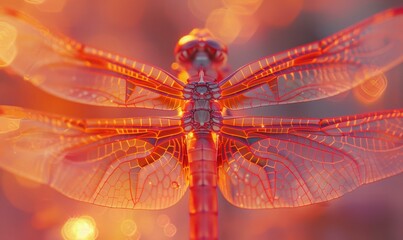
x,y
320,69
125,163
83,74
269,162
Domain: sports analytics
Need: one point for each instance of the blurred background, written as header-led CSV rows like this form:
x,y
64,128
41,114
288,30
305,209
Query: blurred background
x,y
147,30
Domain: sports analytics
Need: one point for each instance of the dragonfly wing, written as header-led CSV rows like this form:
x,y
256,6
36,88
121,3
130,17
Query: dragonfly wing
x,y
320,69
274,162
124,163
80,73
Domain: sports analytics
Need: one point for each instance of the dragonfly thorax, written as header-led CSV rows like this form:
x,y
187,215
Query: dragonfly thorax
x,y
202,112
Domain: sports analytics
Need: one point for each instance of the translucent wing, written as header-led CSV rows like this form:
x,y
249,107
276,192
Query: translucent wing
x,y
123,163
80,73
273,162
320,69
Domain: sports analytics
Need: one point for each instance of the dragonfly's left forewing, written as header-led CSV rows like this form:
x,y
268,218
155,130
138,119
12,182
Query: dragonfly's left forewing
x,y
124,163
274,162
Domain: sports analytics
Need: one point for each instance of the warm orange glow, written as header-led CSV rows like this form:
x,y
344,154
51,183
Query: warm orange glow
x,y
249,27
202,9
47,217
136,159
235,22
189,135
35,2
215,138
7,56
21,194
183,76
163,220
185,39
8,50
81,228
170,230
243,6
130,12
49,5
175,66
224,24
9,125
37,80
26,182
280,13
128,227
175,185
371,90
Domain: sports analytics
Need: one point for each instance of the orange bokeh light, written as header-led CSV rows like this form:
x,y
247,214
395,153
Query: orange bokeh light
x,y
81,228
163,220
235,21
270,13
243,6
170,230
202,9
249,27
128,227
224,24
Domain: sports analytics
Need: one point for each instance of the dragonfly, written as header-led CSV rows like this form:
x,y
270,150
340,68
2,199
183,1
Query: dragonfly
x,y
149,162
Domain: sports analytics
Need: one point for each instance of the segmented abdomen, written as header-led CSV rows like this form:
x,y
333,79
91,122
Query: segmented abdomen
x,y
202,155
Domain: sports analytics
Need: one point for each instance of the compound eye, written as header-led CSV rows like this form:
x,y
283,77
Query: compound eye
x,y
213,44
184,52
216,55
211,51
215,50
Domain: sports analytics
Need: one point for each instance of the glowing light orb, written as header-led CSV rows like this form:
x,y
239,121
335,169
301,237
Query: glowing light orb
x,y
128,227
163,220
170,230
81,228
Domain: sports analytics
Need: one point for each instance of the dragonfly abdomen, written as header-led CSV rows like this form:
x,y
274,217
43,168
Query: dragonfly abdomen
x,y
202,157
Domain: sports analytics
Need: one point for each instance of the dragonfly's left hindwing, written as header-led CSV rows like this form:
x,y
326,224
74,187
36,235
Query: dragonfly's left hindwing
x,y
124,163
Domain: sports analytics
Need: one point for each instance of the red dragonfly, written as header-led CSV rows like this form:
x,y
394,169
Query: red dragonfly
x,y
149,162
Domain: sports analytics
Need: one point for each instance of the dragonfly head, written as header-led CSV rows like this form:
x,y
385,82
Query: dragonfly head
x,y
199,49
